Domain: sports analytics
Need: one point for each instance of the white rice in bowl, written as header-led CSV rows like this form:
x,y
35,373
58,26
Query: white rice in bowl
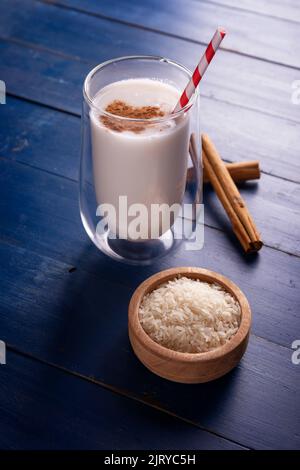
x,y
189,315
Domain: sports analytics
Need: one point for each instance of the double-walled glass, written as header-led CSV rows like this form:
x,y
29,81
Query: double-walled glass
x,y
133,172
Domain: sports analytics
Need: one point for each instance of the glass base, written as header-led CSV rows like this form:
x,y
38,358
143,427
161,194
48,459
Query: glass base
x,y
137,252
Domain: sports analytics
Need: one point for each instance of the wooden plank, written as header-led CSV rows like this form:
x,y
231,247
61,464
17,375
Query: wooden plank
x,y
61,78
46,221
41,137
231,78
247,134
45,408
282,9
27,136
41,212
61,317
260,36
253,137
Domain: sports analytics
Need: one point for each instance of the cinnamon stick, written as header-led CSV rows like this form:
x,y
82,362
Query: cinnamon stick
x,y
239,171
226,190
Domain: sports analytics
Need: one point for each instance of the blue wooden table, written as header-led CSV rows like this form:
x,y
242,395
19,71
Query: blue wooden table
x,y
71,379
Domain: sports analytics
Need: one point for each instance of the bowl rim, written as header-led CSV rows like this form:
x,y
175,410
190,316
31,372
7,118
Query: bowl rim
x,y
206,275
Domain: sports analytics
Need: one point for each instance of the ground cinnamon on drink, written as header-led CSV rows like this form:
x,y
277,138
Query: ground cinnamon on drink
x,y
121,109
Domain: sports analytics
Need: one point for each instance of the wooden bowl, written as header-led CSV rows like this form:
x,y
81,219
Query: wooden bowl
x,y
188,367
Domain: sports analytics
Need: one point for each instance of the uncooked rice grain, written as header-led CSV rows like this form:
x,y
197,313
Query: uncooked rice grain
x,y
189,315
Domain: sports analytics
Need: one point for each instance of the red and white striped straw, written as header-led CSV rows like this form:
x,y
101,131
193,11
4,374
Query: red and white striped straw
x,y
200,69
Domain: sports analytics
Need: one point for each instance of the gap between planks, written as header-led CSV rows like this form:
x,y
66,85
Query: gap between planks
x,y
14,243
33,46
75,181
238,8
163,33
78,115
123,393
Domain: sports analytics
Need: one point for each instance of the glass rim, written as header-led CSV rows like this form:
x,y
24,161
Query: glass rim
x,y
98,67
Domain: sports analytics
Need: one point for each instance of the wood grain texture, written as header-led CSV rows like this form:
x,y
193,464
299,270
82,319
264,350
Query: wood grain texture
x,y
185,367
244,128
27,136
250,134
61,316
58,294
231,78
248,31
47,221
44,408
282,9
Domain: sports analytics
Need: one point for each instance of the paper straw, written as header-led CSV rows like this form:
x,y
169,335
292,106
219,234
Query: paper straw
x,y
200,69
